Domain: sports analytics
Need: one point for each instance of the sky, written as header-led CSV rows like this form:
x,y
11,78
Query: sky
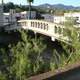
x,y
38,2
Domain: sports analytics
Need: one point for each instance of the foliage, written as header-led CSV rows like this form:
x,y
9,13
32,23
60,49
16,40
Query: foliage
x,y
8,6
25,58
35,55
72,48
73,36
2,76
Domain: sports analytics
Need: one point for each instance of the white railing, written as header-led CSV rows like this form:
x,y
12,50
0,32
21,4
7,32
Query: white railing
x,y
55,31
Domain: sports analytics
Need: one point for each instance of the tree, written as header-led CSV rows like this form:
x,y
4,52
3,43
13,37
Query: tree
x,y
20,67
26,56
21,62
8,6
35,56
2,76
73,34
30,1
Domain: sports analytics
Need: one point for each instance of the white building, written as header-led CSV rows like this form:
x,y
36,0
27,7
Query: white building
x,y
25,15
6,17
9,17
12,16
48,17
76,15
59,19
53,18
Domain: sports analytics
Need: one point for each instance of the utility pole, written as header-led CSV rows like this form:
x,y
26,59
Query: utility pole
x,y
1,14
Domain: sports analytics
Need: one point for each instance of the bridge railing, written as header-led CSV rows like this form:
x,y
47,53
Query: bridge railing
x,y
55,31
37,25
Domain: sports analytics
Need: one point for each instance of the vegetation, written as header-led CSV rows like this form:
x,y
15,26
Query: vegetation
x,y
73,35
34,54
20,8
23,59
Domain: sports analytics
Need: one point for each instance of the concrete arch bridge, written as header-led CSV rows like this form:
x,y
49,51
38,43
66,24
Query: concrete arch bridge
x,y
53,30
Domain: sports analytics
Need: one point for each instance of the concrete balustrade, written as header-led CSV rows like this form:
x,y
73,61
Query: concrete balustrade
x,y
55,31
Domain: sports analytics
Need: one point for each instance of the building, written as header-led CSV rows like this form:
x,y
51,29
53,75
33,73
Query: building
x,y
53,18
48,17
75,15
59,19
25,15
12,16
9,17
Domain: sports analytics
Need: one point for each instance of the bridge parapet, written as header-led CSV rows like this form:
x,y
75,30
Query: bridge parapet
x,y
55,31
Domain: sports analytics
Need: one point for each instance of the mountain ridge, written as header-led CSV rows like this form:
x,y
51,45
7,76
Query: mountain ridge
x,y
59,6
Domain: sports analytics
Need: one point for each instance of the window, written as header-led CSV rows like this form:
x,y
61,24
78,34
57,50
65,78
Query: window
x,y
77,18
6,17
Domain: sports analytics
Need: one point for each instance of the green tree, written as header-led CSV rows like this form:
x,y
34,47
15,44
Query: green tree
x,y
21,65
27,59
2,76
21,62
35,56
5,61
73,33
